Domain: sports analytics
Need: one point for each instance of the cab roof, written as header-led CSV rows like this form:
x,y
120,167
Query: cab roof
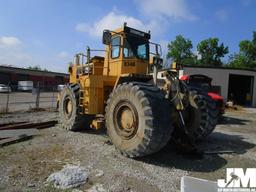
x,y
128,30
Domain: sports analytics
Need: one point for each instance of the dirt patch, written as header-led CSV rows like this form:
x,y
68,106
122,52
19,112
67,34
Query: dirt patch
x,y
25,166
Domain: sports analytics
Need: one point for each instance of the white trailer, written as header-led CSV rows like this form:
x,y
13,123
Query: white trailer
x,y
25,85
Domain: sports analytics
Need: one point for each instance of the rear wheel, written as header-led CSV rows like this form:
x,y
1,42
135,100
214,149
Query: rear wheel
x,y
138,119
70,117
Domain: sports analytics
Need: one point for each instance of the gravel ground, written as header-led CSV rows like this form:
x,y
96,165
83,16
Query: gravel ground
x,y
25,166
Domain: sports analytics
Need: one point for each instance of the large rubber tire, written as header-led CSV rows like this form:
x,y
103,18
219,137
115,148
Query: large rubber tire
x,y
147,126
208,115
201,117
69,114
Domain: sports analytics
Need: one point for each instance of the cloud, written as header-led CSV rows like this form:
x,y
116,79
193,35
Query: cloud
x,y
157,15
9,41
175,9
222,15
13,52
15,57
197,54
114,20
164,46
110,21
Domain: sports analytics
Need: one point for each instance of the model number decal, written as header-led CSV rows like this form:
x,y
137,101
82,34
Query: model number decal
x,y
129,64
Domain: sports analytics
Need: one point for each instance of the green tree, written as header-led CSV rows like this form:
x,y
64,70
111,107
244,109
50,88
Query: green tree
x,y
246,58
211,52
36,67
248,48
179,51
238,60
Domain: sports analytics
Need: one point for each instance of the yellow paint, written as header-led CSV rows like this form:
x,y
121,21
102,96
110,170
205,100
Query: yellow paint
x,y
103,76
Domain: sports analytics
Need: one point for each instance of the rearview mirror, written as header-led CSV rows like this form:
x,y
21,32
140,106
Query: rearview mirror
x,y
106,38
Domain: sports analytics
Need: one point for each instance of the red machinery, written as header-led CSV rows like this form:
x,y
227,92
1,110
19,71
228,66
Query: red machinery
x,y
203,82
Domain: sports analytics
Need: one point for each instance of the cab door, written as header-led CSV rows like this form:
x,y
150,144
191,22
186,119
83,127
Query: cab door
x,y
115,56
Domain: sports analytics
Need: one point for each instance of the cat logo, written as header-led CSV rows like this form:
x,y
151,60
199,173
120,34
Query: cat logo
x,y
129,64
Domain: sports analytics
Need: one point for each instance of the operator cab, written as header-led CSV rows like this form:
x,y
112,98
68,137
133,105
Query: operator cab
x,y
128,51
136,45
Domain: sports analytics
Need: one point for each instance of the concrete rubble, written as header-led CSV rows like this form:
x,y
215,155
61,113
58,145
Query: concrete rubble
x,y
69,177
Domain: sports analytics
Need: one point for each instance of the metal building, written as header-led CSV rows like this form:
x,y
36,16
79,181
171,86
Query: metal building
x,y
236,84
48,80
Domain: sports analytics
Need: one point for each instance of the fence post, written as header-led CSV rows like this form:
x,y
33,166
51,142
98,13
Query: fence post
x,y
8,96
37,95
53,96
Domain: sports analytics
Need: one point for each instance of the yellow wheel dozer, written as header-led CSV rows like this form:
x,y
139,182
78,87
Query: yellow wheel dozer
x,y
120,91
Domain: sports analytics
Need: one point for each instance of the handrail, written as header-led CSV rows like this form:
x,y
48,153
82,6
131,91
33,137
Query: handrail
x,y
81,57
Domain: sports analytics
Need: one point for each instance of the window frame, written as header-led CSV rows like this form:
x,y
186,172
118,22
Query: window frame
x,y
136,54
119,46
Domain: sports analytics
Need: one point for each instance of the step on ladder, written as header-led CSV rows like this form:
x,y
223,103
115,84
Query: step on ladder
x,y
83,106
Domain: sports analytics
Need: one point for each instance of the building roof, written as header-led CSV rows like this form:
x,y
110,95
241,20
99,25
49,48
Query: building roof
x,y
30,71
214,67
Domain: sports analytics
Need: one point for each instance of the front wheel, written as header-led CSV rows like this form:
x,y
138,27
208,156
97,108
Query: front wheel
x,y
138,119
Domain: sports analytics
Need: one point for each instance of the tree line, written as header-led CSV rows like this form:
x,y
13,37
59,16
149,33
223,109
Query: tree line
x,y
37,68
210,53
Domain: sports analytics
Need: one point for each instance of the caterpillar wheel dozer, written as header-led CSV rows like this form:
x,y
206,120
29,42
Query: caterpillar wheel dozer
x,y
120,92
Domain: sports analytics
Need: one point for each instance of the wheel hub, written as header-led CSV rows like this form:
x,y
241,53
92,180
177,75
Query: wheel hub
x,y
126,119
68,109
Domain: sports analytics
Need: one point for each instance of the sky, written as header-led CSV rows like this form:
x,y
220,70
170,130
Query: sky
x,y
49,33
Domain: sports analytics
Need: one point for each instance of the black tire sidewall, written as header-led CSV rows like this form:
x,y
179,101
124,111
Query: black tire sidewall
x,y
129,94
67,122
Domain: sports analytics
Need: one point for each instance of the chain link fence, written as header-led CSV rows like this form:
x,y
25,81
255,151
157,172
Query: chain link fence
x,y
28,98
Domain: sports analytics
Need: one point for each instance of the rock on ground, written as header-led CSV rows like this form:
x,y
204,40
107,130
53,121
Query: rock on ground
x,y
70,176
97,188
76,190
99,173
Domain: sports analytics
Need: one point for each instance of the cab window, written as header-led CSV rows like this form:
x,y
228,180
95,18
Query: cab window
x,y
127,49
115,47
135,47
142,51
